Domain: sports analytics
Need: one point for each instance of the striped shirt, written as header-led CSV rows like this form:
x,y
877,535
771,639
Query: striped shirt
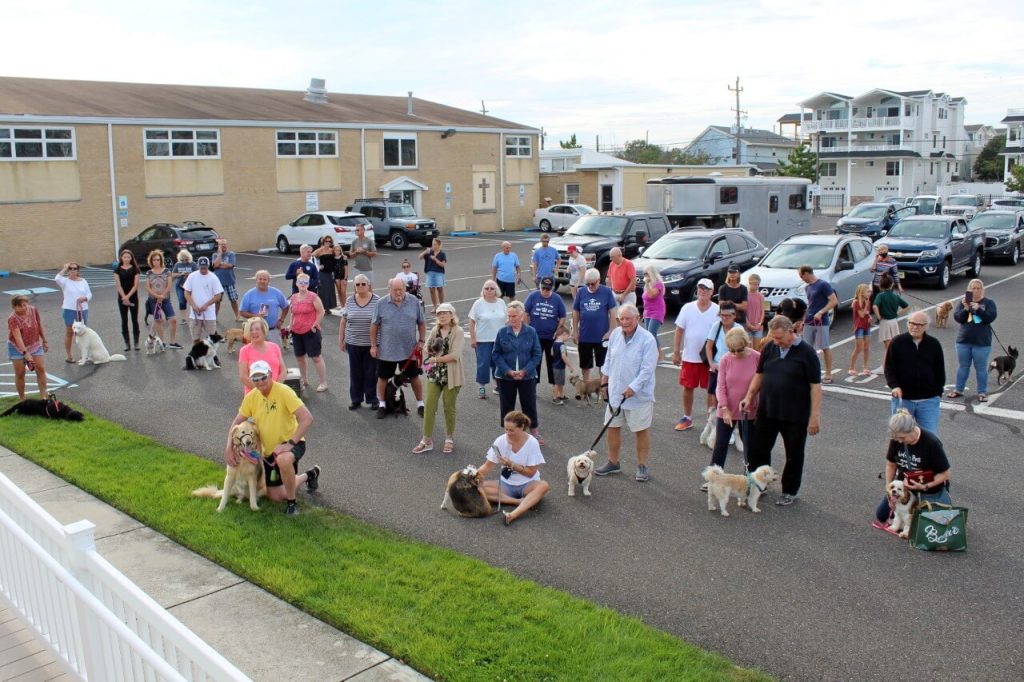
x,y
358,318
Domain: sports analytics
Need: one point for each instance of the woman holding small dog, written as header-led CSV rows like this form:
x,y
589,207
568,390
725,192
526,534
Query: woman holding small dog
x,y
26,344
259,348
77,295
519,456
307,313
443,366
975,313
920,452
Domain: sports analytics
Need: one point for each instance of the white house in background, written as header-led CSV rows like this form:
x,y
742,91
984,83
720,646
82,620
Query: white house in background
x,y
886,142
1013,153
790,125
760,148
977,136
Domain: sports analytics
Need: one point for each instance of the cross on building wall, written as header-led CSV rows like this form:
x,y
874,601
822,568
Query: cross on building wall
x,y
484,185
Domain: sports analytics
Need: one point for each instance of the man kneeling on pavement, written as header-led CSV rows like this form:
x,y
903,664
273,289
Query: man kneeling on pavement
x,y
283,421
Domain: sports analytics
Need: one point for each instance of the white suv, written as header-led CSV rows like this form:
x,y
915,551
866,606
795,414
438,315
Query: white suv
x,y
965,205
309,228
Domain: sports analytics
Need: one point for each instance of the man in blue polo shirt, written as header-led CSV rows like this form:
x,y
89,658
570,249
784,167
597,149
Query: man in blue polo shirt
x,y
505,270
545,311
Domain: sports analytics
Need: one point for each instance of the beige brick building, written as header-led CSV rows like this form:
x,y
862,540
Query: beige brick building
x,y
86,165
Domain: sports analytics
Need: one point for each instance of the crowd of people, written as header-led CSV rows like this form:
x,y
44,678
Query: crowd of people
x,y
761,380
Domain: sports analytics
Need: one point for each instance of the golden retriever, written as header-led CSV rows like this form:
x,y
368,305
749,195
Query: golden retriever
x,y
247,476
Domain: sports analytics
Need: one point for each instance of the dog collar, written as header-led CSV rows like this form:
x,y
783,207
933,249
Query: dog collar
x,y
752,483
252,455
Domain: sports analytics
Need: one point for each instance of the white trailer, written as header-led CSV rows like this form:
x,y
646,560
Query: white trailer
x,y
771,208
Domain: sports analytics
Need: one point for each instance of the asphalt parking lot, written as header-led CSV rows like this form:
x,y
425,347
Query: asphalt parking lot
x,y
808,592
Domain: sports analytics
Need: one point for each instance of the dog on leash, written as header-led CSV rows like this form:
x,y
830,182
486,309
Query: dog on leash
x,y
1004,365
246,478
203,354
903,504
745,488
463,494
50,407
233,336
580,471
587,390
90,346
394,396
154,344
286,338
942,311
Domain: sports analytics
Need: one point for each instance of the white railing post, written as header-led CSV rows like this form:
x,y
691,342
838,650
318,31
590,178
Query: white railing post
x,y
80,539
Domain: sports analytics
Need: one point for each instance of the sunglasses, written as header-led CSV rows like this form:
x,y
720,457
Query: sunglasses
x,y
73,268
361,284
259,377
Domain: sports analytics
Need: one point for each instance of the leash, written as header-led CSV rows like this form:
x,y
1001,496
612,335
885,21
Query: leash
x,y
614,414
417,356
998,340
78,312
498,480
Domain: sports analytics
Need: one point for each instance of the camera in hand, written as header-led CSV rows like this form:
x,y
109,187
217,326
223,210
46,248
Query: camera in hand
x,y
506,472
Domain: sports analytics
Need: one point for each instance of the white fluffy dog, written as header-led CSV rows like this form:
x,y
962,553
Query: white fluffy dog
x,y
90,346
580,470
903,503
745,488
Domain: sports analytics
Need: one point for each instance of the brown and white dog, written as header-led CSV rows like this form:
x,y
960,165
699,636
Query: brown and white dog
x,y
580,471
587,390
903,504
942,311
463,494
233,336
745,488
247,476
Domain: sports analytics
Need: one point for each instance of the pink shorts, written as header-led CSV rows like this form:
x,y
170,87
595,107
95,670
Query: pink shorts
x,y
693,375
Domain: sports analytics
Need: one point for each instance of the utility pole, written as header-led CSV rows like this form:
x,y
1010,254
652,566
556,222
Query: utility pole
x,y
483,109
738,111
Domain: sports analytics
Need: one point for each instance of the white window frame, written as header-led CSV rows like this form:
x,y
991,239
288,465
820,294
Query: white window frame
x,y
402,138
574,197
176,136
47,136
892,168
301,140
828,169
518,146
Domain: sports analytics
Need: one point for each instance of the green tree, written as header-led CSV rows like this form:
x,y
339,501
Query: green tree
x,y
570,144
679,157
641,151
989,166
1015,183
801,163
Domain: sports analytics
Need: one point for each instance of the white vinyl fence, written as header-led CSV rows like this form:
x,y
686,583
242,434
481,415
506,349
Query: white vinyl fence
x,y
98,624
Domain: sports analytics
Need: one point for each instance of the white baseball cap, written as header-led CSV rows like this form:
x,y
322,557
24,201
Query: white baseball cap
x,y
706,283
259,367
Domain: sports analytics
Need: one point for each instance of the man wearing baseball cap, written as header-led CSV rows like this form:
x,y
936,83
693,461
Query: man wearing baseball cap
x,y
576,268
693,323
202,292
282,420
545,312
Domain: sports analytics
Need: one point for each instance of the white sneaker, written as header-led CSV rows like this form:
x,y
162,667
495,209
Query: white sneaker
x,y
739,444
732,438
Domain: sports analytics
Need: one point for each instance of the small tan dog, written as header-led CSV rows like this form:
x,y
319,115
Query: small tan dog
x,y
942,311
587,390
233,336
903,504
247,476
580,470
746,489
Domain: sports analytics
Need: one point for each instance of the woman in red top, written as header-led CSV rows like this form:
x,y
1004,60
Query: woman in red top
x,y
26,344
307,313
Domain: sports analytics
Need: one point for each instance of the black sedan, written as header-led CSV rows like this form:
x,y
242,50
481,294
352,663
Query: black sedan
x,y
170,238
685,255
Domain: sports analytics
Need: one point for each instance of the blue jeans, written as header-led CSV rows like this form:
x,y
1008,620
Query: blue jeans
x,y
925,411
967,355
652,325
483,362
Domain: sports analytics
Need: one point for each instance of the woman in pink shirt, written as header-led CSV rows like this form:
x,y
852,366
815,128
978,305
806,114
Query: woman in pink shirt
x,y
258,348
735,372
653,299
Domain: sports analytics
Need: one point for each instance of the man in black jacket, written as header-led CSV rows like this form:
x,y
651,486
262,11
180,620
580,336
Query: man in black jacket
x,y
915,370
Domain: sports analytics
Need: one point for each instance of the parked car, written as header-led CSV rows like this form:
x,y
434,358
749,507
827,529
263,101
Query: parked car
x,y
932,247
1004,233
1008,202
899,201
685,255
927,204
309,228
873,219
559,215
395,224
597,233
842,260
964,205
170,238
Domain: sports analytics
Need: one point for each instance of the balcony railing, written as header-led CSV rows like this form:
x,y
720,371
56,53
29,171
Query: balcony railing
x,y
858,123
868,148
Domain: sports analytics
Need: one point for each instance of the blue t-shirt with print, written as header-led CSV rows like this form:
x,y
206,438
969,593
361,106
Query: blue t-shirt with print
x,y
506,265
544,313
593,309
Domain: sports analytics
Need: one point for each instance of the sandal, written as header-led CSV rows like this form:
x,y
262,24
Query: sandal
x,y
425,445
954,394
982,398
852,372
449,446
866,373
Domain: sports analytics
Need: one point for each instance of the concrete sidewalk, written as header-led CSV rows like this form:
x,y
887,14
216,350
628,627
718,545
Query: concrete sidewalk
x,y
205,597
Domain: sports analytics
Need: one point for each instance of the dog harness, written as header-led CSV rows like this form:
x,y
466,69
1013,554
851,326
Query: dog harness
x,y
751,483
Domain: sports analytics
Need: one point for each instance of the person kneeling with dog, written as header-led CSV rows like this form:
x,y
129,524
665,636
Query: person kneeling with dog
x,y
518,453
282,420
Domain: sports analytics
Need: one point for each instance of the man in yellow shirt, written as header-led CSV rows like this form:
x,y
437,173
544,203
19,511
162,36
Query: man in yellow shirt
x,y
282,420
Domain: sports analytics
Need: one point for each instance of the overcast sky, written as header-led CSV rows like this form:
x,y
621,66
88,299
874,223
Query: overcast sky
x,y
619,70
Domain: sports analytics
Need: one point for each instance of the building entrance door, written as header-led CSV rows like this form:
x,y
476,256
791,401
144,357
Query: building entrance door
x,y
606,198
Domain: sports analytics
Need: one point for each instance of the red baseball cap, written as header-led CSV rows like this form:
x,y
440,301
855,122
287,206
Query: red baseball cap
x,y
572,248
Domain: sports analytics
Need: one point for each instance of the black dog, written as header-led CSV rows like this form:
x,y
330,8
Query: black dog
x,y
1004,365
394,396
51,408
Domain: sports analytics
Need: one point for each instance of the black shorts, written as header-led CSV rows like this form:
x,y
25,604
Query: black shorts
x,y
591,352
273,474
387,369
508,289
307,344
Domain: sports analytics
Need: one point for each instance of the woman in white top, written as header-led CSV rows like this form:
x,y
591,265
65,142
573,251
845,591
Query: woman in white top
x,y
519,456
486,317
411,279
77,295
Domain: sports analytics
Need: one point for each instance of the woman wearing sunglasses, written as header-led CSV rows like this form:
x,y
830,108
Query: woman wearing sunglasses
x,y
77,295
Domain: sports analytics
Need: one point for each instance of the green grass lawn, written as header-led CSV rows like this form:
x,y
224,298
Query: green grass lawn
x,y
450,616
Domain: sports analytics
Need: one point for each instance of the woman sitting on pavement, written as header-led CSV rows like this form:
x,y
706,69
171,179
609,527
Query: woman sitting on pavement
x,y
911,448
444,377
519,456
258,348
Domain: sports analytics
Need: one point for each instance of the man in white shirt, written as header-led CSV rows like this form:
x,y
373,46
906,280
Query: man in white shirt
x,y
203,291
692,326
